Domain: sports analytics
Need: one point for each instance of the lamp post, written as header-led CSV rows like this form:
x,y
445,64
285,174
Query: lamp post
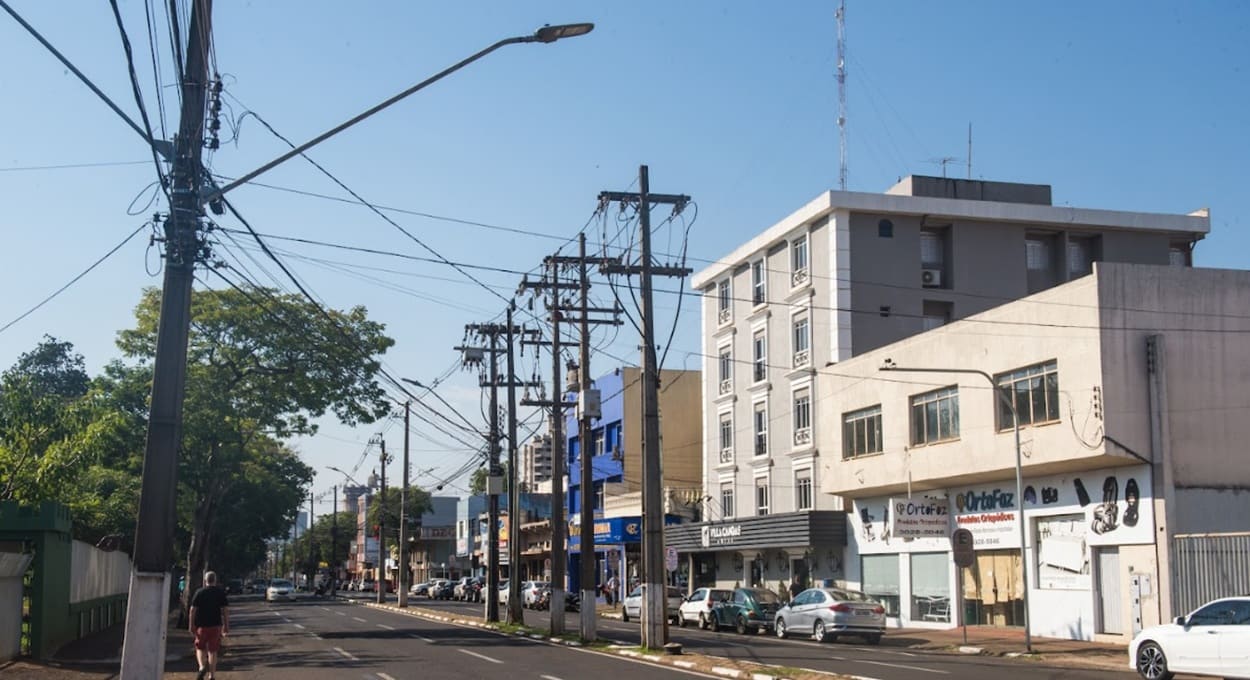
x,y
889,365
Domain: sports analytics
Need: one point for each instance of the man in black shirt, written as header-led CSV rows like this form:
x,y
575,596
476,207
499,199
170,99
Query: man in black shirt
x,y
210,620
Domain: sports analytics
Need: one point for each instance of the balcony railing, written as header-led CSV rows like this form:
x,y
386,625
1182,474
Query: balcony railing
x,y
727,455
725,316
798,278
761,445
803,436
802,358
760,372
726,386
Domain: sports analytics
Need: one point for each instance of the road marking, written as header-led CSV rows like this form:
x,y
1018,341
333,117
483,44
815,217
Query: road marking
x,y
904,666
383,625
360,619
549,677
315,636
276,613
422,638
327,609
480,656
384,676
345,653
340,613
299,626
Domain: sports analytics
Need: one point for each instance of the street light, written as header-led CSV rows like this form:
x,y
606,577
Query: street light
x,y
546,34
888,365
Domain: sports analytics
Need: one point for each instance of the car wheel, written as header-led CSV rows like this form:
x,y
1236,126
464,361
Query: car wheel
x,y
781,628
819,632
681,620
625,615
741,625
872,639
704,624
1151,662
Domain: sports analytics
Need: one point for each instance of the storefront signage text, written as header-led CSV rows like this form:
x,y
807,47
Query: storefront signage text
x,y
985,501
919,517
725,534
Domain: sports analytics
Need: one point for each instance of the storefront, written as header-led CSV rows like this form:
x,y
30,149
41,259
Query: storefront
x,y
768,551
618,549
1087,534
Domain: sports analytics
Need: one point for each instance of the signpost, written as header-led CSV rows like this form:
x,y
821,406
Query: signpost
x,y
670,558
962,549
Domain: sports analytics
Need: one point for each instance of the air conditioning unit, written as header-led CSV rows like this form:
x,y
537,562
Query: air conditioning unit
x,y
931,278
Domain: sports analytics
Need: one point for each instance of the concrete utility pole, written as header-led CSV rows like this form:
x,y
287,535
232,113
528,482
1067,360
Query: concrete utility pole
x,y
312,559
655,607
474,356
586,446
334,543
143,648
403,517
516,613
381,582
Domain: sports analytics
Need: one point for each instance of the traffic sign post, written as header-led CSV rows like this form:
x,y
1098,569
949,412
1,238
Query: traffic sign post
x,y
670,558
963,551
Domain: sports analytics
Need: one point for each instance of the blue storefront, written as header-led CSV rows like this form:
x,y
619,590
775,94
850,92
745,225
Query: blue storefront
x,y
618,548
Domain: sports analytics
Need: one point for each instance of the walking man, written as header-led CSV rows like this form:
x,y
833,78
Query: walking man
x,y
210,621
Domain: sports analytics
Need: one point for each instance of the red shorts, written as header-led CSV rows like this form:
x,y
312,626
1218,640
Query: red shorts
x,y
208,638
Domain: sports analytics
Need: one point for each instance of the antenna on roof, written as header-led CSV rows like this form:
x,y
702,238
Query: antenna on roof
x,y
943,161
841,14
969,149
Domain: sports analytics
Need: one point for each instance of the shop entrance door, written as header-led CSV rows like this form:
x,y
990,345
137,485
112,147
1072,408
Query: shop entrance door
x,y
1110,616
994,589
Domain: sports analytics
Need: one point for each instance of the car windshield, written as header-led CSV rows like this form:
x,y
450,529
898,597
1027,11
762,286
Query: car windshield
x,y
637,592
279,583
765,596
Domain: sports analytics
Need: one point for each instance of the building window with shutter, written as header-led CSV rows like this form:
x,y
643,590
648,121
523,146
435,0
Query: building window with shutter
x,y
761,495
798,261
727,500
935,416
757,283
760,425
861,432
1034,390
802,411
724,303
803,490
759,345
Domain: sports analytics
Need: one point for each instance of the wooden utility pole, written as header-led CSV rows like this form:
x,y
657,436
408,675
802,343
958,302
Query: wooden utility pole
x,y
381,581
655,607
143,648
403,517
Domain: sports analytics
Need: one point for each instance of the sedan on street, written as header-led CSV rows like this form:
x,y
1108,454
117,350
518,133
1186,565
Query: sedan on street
x,y
698,607
1213,640
631,606
279,589
826,613
747,610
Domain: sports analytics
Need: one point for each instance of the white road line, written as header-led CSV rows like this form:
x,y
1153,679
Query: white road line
x,y
299,626
327,609
903,666
360,619
340,613
383,625
345,653
384,676
422,638
480,656
549,677
315,636
276,613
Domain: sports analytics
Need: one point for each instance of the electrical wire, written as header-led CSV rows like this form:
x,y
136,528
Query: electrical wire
x,y
138,93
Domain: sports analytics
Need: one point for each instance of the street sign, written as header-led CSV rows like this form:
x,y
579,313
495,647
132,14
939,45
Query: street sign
x,y
670,558
962,548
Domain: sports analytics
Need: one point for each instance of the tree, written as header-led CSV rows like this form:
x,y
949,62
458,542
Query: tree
x,y
261,365
418,503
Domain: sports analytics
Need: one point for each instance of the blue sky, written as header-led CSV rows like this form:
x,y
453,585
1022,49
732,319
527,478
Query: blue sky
x,y
1120,105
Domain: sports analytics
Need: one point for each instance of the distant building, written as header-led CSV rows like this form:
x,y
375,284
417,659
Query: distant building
x,y
535,462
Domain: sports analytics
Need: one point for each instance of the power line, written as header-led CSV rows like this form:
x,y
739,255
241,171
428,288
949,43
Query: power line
x,y
72,166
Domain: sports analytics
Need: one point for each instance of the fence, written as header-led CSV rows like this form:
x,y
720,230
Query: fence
x,y
1208,566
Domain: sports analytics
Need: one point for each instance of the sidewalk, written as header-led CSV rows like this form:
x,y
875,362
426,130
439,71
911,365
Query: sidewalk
x,y
1009,642
98,656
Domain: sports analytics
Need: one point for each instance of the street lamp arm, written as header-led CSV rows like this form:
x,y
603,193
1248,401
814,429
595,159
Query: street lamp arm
x,y
889,366
545,34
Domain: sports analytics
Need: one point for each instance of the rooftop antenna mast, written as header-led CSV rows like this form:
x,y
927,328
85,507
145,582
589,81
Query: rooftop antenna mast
x,y
969,150
842,95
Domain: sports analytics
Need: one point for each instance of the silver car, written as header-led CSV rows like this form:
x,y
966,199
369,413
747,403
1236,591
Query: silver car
x,y
826,613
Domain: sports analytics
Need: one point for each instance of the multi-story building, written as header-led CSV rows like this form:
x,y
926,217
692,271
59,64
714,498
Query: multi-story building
x,y
846,274
616,460
1130,388
535,463
467,512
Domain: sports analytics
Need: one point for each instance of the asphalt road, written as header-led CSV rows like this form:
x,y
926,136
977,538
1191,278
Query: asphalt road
x,y
849,656
312,639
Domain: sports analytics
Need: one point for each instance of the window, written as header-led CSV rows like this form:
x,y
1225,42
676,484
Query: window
x,y
1037,254
861,432
885,229
803,490
1214,614
801,337
930,587
880,577
757,282
936,314
761,429
1035,392
724,302
598,444
759,345
727,499
599,496
935,416
726,438
1081,255
761,495
798,261
932,249
725,373
802,410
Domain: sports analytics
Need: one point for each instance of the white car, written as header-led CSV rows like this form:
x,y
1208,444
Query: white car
x,y
631,606
530,591
279,589
698,607
1213,640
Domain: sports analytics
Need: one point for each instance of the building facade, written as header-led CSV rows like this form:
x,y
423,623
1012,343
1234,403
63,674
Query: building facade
x,y
535,463
846,274
1129,387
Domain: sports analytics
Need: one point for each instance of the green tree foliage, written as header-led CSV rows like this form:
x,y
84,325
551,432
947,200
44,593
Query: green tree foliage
x,y
418,503
326,548
261,366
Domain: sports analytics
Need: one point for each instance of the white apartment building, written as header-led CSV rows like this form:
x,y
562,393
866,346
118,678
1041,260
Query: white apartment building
x,y
535,463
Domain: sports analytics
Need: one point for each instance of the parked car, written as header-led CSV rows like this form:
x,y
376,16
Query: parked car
x,y
442,589
474,589
460,589
1213,640
502,595
826,613
257,585
234,586
280,589
422,588
698,607
366,586
747,610
631,606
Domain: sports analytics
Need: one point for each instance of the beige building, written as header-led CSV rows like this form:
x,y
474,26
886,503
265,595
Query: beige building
x,y
846,274
1132,387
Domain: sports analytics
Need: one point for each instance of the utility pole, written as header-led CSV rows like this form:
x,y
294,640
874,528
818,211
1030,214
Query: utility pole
x,y
334,543
403,517
516,613
585,411
381,582
471,356
654,610
143,647
312,559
